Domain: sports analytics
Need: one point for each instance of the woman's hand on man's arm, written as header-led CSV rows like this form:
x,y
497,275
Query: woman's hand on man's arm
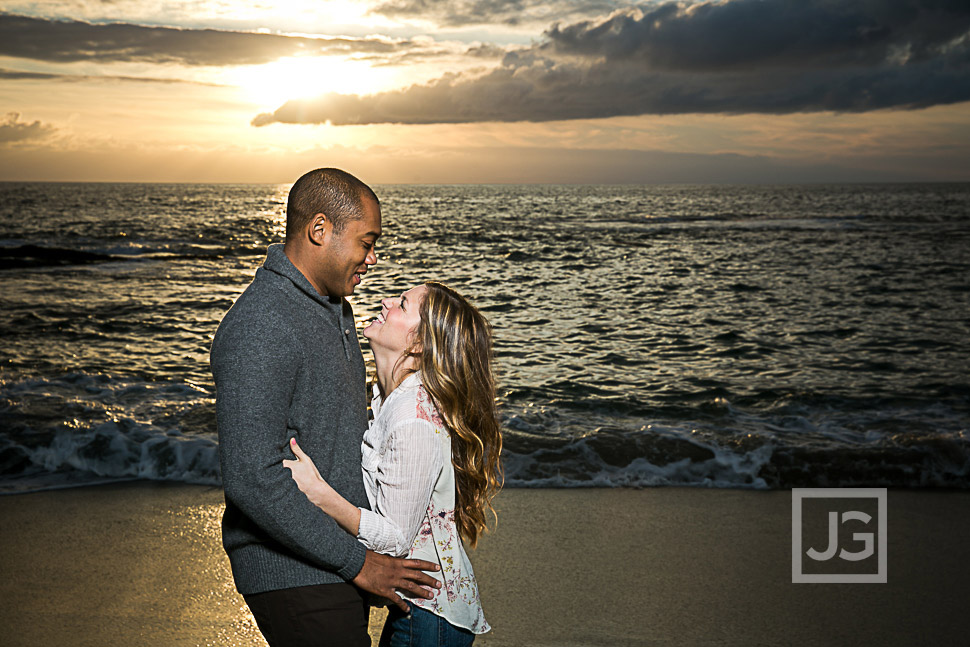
x,y
320,493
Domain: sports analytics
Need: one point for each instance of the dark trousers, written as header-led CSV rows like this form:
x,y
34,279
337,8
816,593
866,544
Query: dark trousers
x,y
331,615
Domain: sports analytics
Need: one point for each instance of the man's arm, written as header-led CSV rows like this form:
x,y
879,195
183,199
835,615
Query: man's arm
x,y
321,494
255,369
255,383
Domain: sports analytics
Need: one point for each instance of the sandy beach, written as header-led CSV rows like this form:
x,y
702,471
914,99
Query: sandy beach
x,y
141,564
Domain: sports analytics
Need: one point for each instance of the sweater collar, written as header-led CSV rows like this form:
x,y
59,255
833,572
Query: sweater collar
x,y
279,263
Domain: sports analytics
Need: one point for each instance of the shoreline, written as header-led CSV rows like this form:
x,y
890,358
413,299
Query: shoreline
x,y
141,563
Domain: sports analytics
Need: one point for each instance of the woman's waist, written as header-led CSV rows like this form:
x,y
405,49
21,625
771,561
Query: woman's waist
x,y
445,550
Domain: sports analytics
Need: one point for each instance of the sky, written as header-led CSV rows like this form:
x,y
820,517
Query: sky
x,y
485,91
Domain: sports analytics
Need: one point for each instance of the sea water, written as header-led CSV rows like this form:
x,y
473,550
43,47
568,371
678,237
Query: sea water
x,y
721,336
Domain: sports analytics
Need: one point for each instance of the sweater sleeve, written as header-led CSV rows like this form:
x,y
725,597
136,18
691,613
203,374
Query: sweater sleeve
x,y
255,365
406,478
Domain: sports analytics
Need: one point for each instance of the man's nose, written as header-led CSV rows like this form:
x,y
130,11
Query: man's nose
x,y
371,258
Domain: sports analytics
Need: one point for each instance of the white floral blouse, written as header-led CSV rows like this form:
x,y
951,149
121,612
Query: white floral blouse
x,y
410,483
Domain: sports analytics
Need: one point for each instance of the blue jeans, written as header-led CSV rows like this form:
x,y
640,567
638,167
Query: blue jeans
x,y
422,629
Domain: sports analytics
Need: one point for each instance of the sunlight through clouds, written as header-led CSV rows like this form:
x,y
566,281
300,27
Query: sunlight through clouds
x,y
300,78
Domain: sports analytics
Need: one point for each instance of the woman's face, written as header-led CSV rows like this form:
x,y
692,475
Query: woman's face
x,y
394,328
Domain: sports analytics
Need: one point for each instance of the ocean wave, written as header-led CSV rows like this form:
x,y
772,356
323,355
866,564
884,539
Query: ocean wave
x,y
115,452
591,462
110,452
29,255
805,441
79,429
923,462
26,256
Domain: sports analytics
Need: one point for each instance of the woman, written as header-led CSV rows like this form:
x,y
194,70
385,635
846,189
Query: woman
x,y
430,456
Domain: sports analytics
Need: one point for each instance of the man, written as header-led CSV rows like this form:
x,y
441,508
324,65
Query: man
x,y
287,363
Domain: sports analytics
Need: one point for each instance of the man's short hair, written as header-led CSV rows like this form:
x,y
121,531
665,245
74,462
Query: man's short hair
x,y
335,193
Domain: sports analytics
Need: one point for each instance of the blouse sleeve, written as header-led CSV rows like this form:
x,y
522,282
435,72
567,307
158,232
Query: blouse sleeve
x,y
406,477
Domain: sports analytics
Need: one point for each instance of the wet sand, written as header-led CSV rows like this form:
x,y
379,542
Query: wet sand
x,y
142,564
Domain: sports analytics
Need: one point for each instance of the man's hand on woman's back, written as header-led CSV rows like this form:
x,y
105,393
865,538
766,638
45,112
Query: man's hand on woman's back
x,y
384,575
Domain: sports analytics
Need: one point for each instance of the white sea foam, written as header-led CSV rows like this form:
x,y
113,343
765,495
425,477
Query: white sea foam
x,y
112,452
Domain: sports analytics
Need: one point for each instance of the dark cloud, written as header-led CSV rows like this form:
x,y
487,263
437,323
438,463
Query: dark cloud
x,y
65,41
900,55
456,13
486,50
12,129
439,54
17,75
756,33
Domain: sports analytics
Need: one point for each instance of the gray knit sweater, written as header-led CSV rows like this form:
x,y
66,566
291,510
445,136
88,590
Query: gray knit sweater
x,y
286,363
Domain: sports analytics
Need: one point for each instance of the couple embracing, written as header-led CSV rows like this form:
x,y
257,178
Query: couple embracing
x,y
323,507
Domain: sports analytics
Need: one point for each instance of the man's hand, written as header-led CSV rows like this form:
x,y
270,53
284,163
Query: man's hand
x,y
383,575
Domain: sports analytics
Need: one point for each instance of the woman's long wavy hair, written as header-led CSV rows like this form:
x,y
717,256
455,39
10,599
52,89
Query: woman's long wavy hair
x,y
453,350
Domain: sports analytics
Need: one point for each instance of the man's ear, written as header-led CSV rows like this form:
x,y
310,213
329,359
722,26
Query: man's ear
x,y
320,229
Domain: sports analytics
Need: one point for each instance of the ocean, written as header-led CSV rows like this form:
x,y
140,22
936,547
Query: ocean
x,y
719,336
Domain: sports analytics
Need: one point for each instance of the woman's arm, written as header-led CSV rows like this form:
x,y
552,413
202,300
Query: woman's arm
x,y
406,477
408,470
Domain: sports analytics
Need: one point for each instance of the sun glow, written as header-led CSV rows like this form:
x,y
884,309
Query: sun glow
x,y
299,78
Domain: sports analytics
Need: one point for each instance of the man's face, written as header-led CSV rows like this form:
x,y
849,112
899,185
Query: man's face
x,y
350,253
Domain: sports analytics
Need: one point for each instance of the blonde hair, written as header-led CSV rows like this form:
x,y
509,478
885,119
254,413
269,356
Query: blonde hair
x,y
453,350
